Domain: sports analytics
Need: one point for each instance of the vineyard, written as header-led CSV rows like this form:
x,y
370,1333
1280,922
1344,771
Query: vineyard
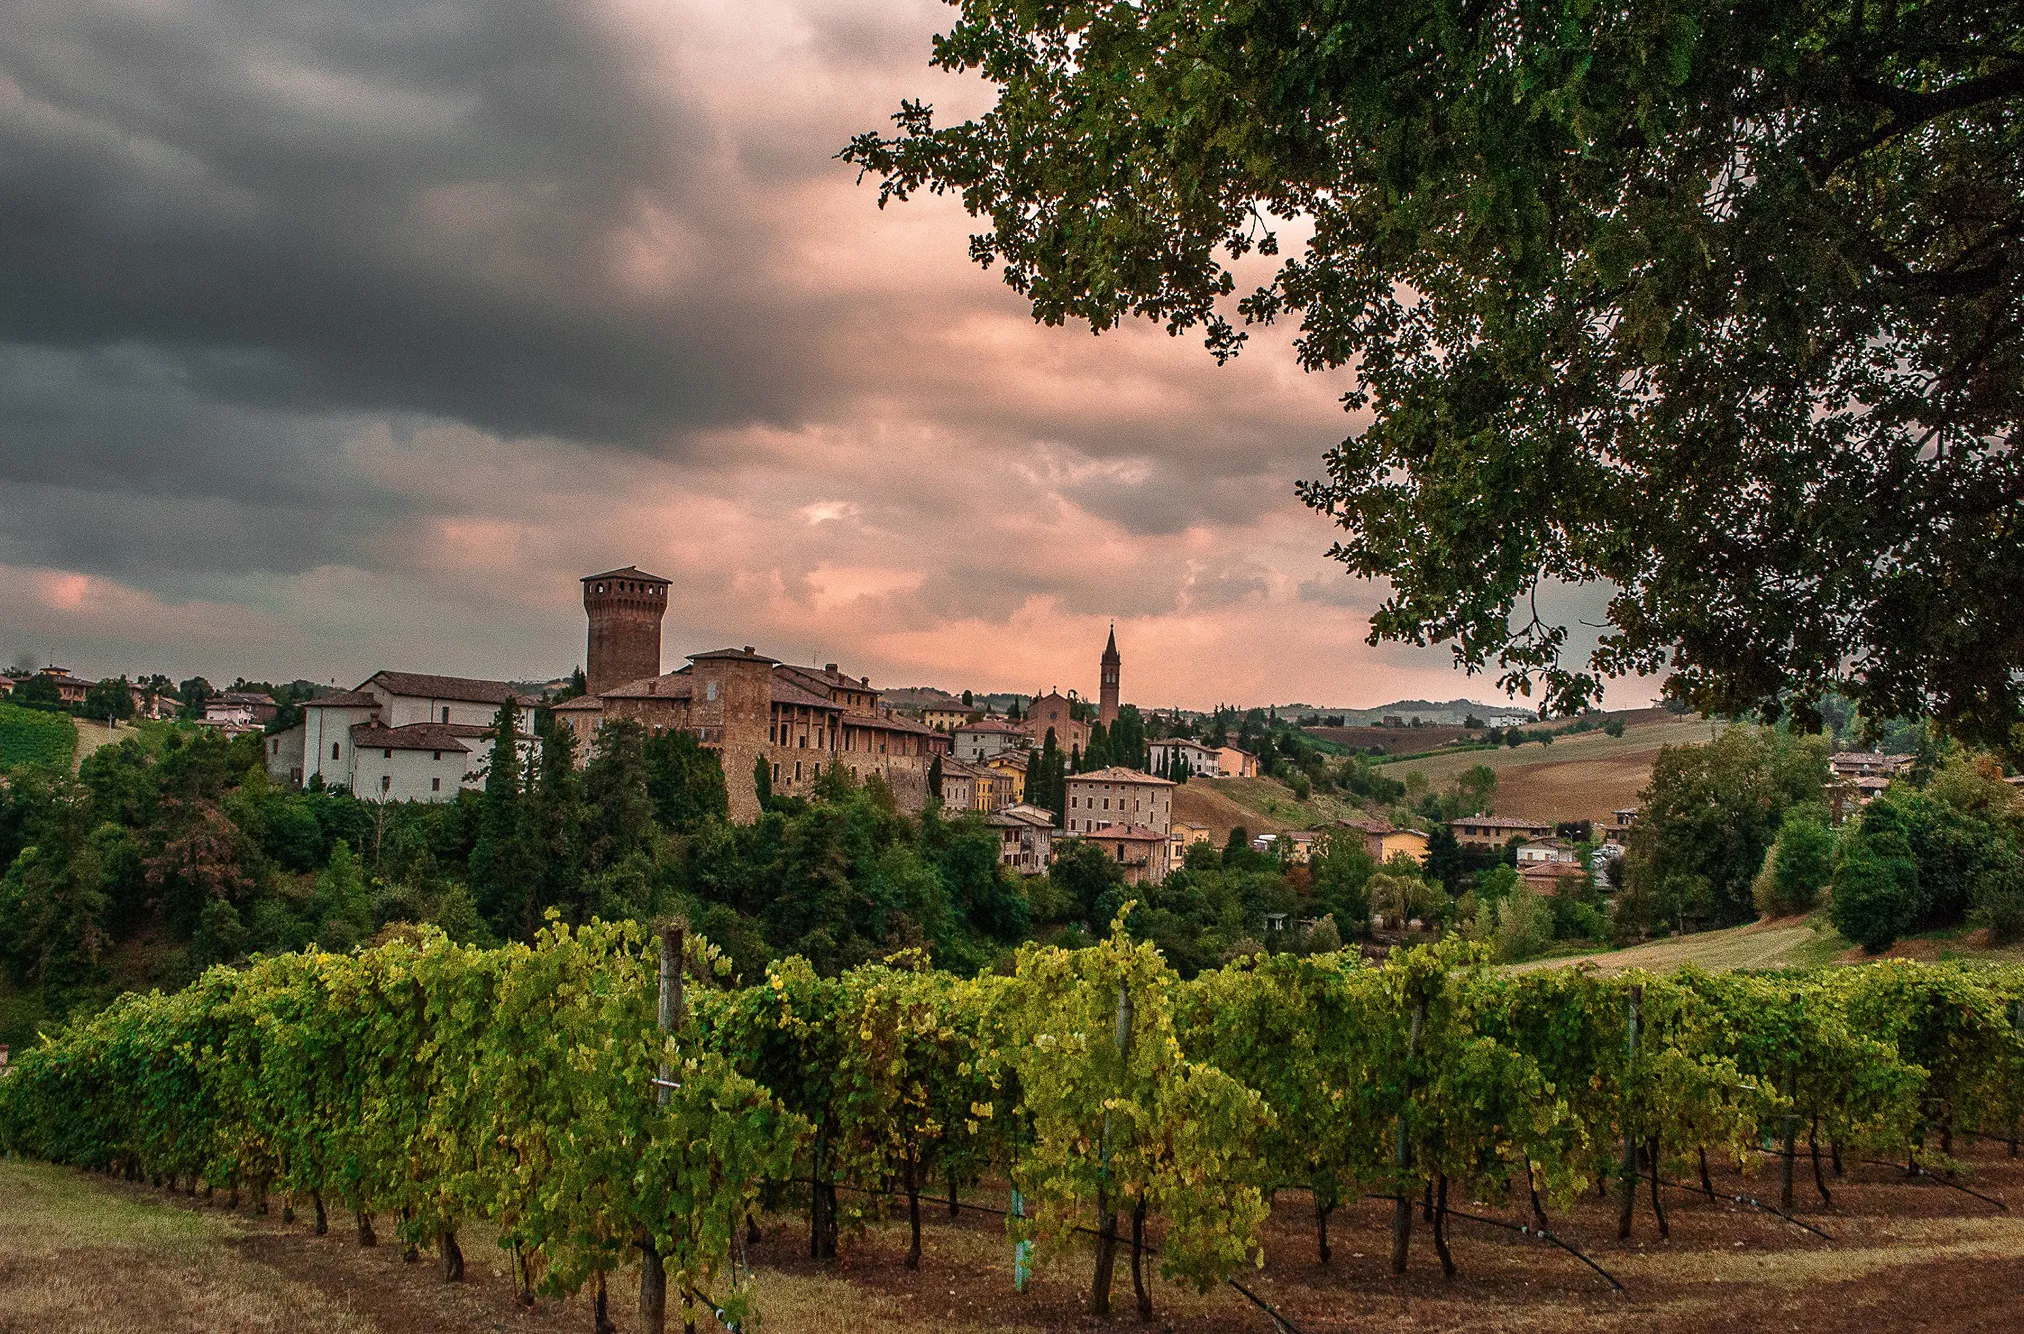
x,y
605,1098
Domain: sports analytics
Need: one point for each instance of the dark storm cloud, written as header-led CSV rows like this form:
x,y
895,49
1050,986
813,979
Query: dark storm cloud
x,y
396,206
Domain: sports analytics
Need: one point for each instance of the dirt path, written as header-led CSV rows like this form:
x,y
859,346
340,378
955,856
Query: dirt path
x,y
83,1253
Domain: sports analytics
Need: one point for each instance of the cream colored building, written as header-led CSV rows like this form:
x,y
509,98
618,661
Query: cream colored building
x,y
1116,797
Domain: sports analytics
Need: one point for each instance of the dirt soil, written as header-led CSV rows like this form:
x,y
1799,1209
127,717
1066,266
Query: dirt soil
x,y
85,1253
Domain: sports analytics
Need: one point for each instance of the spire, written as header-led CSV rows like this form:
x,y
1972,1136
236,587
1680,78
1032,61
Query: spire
x,y
1110,649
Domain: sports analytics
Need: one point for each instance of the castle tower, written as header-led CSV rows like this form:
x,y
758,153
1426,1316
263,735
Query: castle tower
x,y
1106,695
625,608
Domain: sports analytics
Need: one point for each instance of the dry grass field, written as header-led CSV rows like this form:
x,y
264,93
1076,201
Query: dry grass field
x,y
83,1253
1578,777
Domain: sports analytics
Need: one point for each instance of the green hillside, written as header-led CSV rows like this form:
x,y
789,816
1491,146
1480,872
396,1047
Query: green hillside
x,y
29,736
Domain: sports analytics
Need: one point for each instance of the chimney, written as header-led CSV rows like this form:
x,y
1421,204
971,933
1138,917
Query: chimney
x,y
831,669
748,648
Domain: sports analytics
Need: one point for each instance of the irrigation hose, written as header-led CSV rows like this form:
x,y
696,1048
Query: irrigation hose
x,y
1742,1199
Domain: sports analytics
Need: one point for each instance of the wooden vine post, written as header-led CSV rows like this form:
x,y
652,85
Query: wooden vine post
x,y
1791,1144
1626,1202
653,1274
1106,1201
1402,1157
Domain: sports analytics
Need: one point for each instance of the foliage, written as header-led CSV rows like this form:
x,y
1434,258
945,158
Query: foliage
x,y
32,736
1716,304
1709,816
1798,867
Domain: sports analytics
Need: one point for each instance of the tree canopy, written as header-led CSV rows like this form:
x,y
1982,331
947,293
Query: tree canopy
x,y
1717,306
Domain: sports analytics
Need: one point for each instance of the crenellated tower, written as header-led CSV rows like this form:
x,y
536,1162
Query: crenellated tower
x,y
625,608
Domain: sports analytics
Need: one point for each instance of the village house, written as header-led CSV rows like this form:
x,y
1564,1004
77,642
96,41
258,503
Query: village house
x,y
1494,831
946,717
239,710
959,785
1234,763
1202,761
1118,797
1025,837
979,741
1013,765
1298,845
1183,837
1140,852
1383,840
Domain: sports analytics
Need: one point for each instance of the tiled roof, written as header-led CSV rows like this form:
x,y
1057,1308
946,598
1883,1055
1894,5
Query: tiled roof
x,y
1129,833
745,654
1502,822
786,692
629,572
1115,774
1020,813
242,697
581,704
1365,825
825,678
414,736
889,722
343,699
420,685
993,725
668,686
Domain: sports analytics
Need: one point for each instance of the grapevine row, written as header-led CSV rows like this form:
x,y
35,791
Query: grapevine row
x,y
436,1083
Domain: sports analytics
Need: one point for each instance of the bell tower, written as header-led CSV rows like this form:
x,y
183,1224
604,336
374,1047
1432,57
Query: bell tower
x,y
625,608
1106,695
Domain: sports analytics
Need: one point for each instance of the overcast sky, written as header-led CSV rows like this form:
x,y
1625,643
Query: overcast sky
x,y
347,334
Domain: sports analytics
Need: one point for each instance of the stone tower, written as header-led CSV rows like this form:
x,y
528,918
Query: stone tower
x,y
1106,695
625,609
730,704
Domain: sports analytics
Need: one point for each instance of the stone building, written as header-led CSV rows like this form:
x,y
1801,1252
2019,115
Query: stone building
x,y
625,608
1052,712
1025,837
979,741
1117,797
749,709
1141,853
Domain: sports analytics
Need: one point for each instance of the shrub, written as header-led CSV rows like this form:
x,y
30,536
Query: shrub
x,y
1798,867
1876,892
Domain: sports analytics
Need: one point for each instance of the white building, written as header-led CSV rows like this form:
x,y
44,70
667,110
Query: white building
x,y
401,736
1203,761
979,741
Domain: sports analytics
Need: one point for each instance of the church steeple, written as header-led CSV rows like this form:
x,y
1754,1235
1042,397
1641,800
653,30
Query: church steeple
x,y
1106,695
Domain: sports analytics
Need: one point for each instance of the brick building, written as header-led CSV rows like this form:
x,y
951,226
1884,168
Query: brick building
x,y
625,608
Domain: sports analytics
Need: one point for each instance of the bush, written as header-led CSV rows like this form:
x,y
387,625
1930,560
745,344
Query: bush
x,y
1798,867
1876,893
1997,896
1524,924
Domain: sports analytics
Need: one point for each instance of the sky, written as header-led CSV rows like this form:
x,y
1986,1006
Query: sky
x,y
338,335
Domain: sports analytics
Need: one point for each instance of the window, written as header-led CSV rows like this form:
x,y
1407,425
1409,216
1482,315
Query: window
x,y
386,782
710,690
387,754
333,750
797,771
435,785
446,713
776,771
437,755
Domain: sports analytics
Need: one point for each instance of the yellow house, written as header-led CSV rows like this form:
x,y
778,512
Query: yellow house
x,y
1183,837
1383,841
1012,764
943,717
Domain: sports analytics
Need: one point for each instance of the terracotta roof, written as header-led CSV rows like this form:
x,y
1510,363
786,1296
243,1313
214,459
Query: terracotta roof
x,y
1020,813
787,692
745,654
826,678
581,704
890,723
1128,833
421,685
667,686
241,697
1501,822
629,572
992,725
343,699
1115,774
414,736
1365,825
